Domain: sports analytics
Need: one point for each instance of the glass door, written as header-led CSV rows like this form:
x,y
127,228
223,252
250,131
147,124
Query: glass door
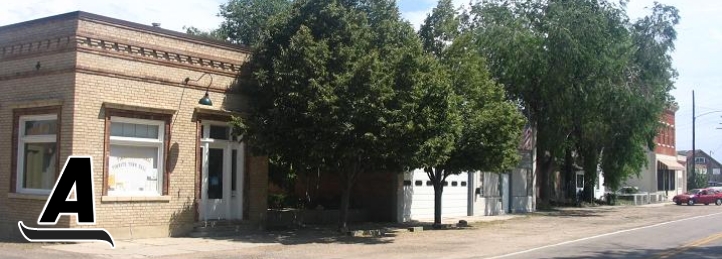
x,y
221,174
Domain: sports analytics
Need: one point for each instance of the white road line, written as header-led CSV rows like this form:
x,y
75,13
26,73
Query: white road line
x,y
602,235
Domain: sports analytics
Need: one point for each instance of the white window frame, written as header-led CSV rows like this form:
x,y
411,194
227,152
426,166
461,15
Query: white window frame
x,y
206,132
22,140
140,142
700,160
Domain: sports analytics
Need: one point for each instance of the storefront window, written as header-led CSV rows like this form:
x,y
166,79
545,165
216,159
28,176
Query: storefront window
x,y
136,157
37,153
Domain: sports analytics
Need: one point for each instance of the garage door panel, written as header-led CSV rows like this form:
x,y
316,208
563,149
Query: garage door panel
x,y
453,200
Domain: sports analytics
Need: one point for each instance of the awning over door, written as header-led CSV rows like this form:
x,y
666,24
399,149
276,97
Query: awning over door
x,y
670,162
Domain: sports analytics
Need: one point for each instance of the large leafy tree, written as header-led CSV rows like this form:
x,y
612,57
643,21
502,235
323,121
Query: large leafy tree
x,y
246,21
580,67
344,87
215,34
591,49
650,78
520,63
488,135
440,27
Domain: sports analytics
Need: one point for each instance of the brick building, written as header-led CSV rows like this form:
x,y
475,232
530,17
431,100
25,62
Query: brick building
x,y
127,95
665,175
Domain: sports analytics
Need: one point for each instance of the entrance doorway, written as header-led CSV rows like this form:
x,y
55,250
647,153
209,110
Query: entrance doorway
x,y
221,173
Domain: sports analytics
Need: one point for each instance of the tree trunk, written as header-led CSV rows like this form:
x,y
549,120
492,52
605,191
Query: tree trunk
x,y
437,205
591,160
437,179
570,176
347,181
545,166
542,176
343,210
544,161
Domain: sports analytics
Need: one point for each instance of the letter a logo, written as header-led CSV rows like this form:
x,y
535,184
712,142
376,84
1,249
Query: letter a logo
x,y
77,174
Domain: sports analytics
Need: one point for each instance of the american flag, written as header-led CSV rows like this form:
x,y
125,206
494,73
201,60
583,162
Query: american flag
x,y
526,140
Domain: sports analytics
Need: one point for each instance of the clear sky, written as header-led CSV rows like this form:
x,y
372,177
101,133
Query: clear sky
x,y
698,55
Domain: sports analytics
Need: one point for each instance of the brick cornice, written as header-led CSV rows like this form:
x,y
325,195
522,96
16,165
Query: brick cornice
x,y
122,49
108,21
25,49
157,61
28,74
138,50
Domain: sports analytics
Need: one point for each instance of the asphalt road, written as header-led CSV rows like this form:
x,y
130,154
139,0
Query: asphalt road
x,y
693,237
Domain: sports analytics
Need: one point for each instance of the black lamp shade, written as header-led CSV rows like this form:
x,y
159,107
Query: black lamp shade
x,y
206,100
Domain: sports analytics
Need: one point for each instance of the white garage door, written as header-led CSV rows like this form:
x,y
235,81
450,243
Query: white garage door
x,y
419,196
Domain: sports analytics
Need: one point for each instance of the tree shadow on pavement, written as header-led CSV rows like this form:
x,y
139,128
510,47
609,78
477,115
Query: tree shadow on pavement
x,y
376,233
707,252
308,235
573,212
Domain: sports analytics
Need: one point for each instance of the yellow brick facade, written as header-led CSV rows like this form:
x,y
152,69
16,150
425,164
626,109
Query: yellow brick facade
x,y
92,63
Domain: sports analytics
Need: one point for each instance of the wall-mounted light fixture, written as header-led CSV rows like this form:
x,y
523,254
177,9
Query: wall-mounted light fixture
x,y
206,100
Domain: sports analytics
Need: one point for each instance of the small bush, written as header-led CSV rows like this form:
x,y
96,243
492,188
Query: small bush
x,y
276,201
628,190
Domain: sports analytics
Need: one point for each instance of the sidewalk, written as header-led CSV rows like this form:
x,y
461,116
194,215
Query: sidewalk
x,y
143,248
171,246
472,219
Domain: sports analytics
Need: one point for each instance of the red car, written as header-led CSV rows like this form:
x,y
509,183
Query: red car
x,y
704,196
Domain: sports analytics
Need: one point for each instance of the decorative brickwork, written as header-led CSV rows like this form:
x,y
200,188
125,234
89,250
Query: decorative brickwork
x,y
91,66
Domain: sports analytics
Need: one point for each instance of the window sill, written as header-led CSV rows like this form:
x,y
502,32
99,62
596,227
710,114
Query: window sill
x,y
24,196
135,198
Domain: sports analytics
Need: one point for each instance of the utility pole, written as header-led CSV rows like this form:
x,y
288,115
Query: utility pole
x,y
693,170
694,151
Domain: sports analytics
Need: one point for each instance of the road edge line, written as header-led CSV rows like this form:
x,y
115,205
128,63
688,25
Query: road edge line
x,y
601,235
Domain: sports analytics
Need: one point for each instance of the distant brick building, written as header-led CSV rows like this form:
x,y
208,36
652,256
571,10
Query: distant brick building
x,y
665,140
84,84
665,175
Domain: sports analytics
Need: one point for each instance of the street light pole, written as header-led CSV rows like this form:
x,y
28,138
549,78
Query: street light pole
x,y
694,150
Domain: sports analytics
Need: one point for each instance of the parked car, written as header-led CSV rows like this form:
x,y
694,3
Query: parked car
x,y
703,196
716,188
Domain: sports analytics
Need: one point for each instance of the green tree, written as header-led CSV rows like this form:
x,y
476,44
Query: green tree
x,y
650,77
344,87
579,67
521,63
245,21
440,27
216,34
591,47
487,137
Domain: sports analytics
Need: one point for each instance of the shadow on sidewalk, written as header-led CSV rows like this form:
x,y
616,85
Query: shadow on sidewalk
x,y
305,235
572,212
385,233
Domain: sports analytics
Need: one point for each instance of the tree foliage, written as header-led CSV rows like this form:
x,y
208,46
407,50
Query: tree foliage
x,y
487,135
216,34
593,83
344,87
246,21
440,28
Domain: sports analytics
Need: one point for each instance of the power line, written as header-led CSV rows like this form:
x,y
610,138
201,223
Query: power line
x,y
700,119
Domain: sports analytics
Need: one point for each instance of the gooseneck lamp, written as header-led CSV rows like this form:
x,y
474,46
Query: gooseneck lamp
x,y
206,100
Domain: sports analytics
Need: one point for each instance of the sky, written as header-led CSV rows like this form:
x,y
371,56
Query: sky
x,y
697,57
